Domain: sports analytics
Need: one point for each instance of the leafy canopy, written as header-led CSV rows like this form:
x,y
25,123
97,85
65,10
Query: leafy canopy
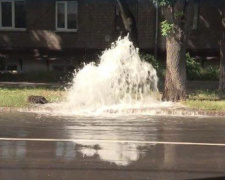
x,y
167,27
164,2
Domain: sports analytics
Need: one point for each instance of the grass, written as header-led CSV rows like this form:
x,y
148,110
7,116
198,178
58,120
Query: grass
x,y
17,97
206,100
206,105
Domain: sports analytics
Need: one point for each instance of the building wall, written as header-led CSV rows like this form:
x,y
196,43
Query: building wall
x,y
146,24
209,30
96,30
41,42
95,23
96,26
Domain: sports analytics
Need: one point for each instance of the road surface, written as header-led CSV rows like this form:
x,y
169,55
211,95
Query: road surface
x,y
123,148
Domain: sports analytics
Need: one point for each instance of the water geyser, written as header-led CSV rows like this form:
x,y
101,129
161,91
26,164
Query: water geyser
x,y
120,78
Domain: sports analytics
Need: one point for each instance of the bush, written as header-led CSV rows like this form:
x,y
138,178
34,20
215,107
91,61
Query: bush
x,y
210,74
193,68
196,72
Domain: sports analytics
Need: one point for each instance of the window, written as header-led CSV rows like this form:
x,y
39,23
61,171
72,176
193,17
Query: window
x,y
66,15
12,14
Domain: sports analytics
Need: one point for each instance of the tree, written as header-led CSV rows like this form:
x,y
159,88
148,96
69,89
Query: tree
x,y
176,28
222,53
128,21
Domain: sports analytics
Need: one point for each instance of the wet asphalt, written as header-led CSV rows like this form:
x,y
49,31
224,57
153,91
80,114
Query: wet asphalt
x,y
34,146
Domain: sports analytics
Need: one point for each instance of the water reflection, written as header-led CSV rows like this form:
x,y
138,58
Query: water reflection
x,y
13,149
111,146
65,150
103,134
119,153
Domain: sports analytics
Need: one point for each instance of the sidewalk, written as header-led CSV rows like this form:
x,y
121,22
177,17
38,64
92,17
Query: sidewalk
x,y
204,85
31,84
191,85
197,85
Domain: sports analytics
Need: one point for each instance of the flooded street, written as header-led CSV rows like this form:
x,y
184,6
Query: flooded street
x,y
34,146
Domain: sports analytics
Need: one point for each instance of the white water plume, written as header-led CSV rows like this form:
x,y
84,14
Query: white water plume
x,y
120,83
121,77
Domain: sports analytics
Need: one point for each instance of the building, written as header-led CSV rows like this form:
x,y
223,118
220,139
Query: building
x,y
57,35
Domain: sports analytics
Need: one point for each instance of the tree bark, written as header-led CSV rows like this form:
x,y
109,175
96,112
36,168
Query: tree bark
x,y
128,21
175,82
222,54
180,14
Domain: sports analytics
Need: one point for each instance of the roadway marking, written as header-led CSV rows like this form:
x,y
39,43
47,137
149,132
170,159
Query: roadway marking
x,y
112,141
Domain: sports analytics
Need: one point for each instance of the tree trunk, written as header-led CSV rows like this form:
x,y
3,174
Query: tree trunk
x,y
222,55
175,83
180,15
128,21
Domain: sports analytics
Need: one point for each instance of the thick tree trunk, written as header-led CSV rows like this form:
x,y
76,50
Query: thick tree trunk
x,y
180,15
175,83
128,21
222,55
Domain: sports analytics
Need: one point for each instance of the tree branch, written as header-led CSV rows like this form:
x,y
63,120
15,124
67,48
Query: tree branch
x,y
128,21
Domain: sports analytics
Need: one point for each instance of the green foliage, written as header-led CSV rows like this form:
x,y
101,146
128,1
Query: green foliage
x,y
166,28
164,2
210,73
178,14
193,68
196,72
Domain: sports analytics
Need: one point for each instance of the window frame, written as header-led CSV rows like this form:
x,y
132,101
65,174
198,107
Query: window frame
x,y
66,16
13,16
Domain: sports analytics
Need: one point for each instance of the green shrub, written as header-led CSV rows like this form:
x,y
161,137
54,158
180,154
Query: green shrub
x,y
193,68
210,73
196,72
